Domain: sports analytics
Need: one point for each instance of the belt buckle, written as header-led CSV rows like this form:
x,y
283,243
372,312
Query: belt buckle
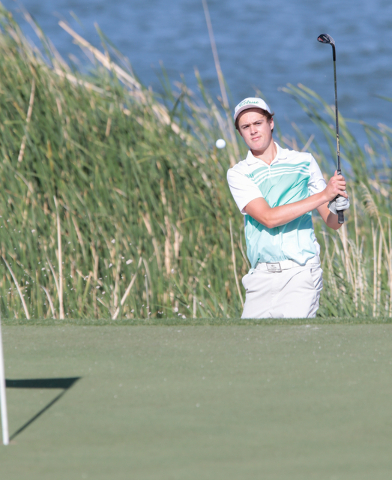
x,y
274,267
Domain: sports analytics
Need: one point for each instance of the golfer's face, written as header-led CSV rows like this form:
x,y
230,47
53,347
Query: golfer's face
x,y
255,129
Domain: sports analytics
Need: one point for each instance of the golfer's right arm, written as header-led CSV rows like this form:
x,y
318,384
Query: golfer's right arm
x,y
277,216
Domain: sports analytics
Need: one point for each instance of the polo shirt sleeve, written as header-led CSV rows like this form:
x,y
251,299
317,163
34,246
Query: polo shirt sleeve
x,y
316,181
242,188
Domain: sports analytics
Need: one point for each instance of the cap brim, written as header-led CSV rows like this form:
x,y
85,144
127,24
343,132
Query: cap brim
x,y
248,107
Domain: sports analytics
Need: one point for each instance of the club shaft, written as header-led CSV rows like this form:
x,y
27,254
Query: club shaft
x,y
339,170
336,111
3,402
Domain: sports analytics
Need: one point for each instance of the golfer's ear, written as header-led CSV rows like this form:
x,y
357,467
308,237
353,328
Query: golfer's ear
x,y
272,123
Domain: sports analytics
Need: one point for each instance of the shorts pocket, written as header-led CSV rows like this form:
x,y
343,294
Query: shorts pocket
x,y
252,279
245,279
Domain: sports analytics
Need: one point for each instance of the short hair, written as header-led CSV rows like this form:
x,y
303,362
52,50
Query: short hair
x,y
266,114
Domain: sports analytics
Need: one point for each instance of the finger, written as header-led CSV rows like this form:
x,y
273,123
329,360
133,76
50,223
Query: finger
x,y
339,179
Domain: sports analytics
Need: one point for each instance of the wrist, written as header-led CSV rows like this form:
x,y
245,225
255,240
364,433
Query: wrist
x,y
323,198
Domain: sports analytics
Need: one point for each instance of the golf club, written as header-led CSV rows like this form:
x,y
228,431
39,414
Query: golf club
x,y
325,38
3,403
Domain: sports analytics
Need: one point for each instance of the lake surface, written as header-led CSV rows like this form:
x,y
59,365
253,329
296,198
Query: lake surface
x,y
262,45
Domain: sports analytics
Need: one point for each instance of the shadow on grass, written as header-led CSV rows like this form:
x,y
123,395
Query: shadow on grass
x,y
41,383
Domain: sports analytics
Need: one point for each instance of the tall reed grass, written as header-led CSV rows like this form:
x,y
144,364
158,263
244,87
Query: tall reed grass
x,y
115,201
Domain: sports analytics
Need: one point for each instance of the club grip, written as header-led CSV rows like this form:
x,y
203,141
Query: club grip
x,y
340,217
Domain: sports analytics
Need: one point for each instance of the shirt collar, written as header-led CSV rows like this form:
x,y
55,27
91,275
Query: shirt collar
x,y
281,153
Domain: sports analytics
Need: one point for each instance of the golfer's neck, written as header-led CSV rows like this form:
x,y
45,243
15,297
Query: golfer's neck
x,y
268,154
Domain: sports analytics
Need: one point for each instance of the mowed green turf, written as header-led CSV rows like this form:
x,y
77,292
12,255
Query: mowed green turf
x,y
201,402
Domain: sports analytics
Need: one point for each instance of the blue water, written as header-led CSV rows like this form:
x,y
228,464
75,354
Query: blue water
x,y
261,44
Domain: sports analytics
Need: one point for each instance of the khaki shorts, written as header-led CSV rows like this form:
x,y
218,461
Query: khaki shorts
x,y
290,293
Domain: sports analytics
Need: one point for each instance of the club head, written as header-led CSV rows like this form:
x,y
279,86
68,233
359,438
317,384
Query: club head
x,y
325,38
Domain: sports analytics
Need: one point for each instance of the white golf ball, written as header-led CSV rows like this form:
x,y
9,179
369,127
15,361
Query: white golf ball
x,y
220,143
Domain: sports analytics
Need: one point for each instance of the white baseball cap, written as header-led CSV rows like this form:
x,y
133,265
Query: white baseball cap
x,y
250,102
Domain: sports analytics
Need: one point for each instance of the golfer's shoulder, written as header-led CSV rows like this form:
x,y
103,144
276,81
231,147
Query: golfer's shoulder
x,y
239,170
295,156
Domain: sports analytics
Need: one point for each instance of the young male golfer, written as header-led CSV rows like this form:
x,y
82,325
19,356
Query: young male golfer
x,y
276,190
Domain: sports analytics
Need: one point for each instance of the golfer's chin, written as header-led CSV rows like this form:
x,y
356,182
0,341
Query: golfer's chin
x,y
258,146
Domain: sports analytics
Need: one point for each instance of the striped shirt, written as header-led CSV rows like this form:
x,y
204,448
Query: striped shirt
x,y
291,177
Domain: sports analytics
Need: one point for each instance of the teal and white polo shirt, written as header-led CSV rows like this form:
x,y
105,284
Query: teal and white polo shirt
x,y
291,177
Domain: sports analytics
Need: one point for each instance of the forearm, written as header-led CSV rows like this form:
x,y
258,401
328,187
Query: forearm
x,y
277,216
332,221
